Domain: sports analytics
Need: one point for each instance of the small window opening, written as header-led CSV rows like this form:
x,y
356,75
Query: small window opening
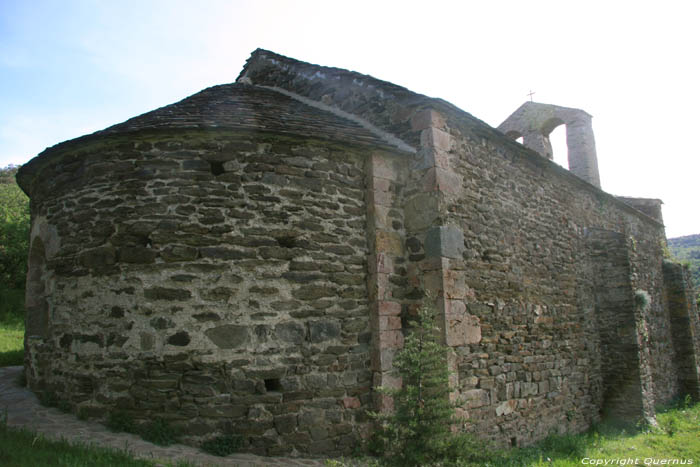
x,y
514,442
273,384
217,168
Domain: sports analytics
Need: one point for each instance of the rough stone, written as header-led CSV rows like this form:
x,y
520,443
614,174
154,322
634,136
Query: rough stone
x,y
228,336
321,331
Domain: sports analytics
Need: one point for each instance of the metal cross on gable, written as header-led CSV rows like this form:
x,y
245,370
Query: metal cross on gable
x,y
530,94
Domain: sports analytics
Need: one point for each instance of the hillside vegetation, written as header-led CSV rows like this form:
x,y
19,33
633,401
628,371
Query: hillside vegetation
x,y
14,245
687,250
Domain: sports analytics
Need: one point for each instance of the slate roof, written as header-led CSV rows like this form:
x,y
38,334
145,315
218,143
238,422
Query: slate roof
x,y
246,107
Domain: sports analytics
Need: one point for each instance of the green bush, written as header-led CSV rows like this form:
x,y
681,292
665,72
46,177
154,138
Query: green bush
x,y
223,445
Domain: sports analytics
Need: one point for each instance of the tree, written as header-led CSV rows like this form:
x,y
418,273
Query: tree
x,y
418,431
14,230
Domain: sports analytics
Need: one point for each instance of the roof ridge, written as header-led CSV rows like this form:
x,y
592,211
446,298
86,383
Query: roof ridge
x,y
385,136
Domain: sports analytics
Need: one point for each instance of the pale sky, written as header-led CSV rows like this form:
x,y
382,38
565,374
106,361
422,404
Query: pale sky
x,y
73,67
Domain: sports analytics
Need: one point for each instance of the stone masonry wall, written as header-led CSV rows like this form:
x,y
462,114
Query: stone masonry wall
x,y
537,366
622,367
497,236
212,278
685,325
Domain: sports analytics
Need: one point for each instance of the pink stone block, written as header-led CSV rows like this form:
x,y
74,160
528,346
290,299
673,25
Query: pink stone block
x,y
382,360
351,403
383,167
390,381
383,403
380,184
455,285
456,309
441,159
439,179
438,139
462,328
379,216
388,242
389,323
432,281
378,291
384,263
427,118
382,198
386,359
389,308
390,339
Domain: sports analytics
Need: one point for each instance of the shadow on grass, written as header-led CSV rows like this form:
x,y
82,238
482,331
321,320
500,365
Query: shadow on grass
x,y
12,358
11,327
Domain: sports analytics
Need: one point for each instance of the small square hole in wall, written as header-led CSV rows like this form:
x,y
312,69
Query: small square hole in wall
x,y
273,384
514,442
217,168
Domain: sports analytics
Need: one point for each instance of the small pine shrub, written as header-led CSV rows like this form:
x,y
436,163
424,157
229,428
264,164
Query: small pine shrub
x,y
418,432
158,432
223,445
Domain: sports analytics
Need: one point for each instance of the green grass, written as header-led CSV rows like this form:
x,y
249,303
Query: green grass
x,y
676,437
11,327
21,447
24,448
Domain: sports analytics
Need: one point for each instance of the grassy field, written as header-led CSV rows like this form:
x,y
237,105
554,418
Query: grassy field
x,y
11,327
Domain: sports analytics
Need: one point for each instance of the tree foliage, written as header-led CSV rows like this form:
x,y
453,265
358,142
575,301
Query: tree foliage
x,y
418,431
14,230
